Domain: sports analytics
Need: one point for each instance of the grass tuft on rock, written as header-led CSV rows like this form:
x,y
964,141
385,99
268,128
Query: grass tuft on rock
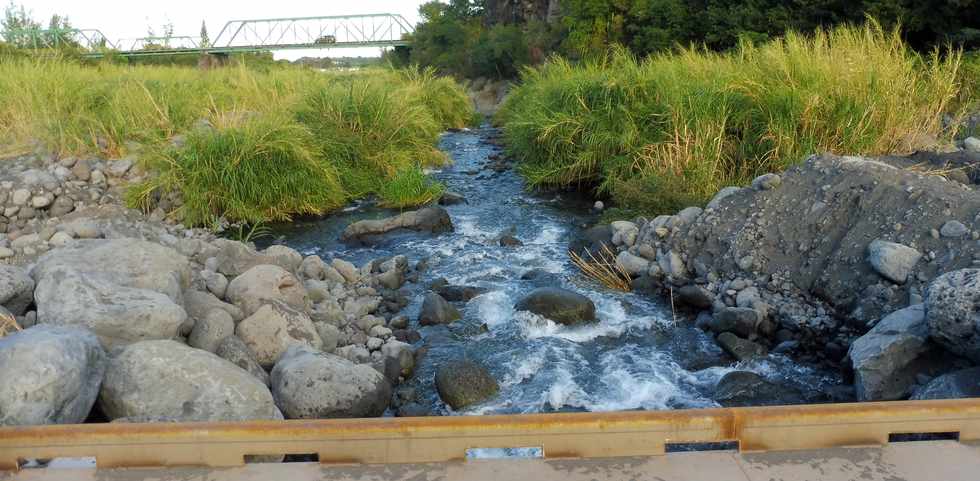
x,y
671,130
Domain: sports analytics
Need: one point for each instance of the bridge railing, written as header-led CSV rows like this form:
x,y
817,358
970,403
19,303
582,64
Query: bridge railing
x,y
322,32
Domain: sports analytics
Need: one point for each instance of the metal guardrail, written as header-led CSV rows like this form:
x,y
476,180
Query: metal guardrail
x,y
444,439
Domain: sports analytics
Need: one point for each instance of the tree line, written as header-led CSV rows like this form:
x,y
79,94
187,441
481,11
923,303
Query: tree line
x,y
458,39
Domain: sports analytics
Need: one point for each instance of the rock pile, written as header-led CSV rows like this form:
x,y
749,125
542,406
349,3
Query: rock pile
x,y
809,261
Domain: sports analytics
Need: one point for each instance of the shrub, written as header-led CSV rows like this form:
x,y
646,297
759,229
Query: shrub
x,y
676,127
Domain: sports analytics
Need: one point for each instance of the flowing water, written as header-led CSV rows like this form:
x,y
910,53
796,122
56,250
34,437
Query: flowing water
x,y
636,357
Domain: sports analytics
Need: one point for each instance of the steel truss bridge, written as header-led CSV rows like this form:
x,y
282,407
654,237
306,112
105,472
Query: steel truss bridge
x,y
237,36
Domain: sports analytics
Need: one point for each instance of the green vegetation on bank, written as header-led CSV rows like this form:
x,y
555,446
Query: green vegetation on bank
x,y
237,142
670,130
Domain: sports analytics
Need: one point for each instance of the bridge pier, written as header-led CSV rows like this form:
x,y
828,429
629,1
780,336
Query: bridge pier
x,y
209,60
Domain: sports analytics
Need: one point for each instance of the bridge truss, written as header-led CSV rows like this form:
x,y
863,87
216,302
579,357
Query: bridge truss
x,y
237,36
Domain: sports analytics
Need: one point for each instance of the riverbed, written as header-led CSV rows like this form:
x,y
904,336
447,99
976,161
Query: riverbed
x,y
640,355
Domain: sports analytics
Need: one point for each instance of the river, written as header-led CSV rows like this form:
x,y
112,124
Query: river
x,y
638,356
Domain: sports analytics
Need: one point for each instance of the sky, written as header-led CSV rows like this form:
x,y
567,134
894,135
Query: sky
x,y
132,19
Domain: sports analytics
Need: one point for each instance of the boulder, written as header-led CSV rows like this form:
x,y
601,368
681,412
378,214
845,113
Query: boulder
x,y
463,383
740,349
126,262
263,284
316,385
883,358
694,296
166,379
436,310
210,330
452,198
283,256
16,289
740,320
721,195
766,182
273,328
430,219
746,388
891,260
453,293
199,303
958,384
560,305
952,305
51,375
118,315
632,264
399,359
234,350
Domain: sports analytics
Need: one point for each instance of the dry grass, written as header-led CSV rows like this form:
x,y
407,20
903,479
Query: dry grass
x,y
8,325
603,268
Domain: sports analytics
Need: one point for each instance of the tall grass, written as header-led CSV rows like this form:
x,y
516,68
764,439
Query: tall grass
x,y
285,141
670,130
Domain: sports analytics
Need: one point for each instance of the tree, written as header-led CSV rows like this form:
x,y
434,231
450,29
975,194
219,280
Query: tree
x,y
205,41
17,19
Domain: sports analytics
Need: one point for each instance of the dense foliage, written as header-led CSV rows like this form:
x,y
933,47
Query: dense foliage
x,y
668,131
257,144
457,39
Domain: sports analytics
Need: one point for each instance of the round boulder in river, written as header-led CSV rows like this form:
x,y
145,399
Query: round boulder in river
x,y
51,375
169,380
464,383
559,305
315,385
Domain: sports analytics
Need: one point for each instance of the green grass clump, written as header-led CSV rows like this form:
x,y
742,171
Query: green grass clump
x,y
286,140
672,129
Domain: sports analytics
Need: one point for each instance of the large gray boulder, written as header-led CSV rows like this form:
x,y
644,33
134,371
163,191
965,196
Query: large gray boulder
x,y
127,262
891,260
430,219
263,284
560,305
436,310
168,380
883,358
51,375
316,385
746,388
16,289
953,312
276,326
124,290
118,315
462,383
955,385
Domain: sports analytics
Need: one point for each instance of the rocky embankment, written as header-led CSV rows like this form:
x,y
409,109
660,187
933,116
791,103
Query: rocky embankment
x,y
867,265
126,317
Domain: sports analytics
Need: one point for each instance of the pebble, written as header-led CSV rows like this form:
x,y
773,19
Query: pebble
x,y
6,252
954,228
40,201
20,196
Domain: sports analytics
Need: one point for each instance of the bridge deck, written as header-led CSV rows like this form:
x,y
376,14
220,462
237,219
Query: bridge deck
x,y
911,461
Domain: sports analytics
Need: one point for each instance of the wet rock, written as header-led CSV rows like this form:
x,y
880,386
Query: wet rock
x,y
740,349
694,296
740,320
463,383
315,385
891,260
16,289
745,388
430,219
955,385
51,375
436,310
399,359
508,240
451,198
593,239
883,359
560,305
263,284
273,328
459,293
235,351
953,312
166,379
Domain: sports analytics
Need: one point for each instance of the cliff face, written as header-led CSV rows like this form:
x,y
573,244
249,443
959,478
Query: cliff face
x,y
521,11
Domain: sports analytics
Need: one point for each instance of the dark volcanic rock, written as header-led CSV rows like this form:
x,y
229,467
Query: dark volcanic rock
x,y
744,388
463,383
436,310
559,305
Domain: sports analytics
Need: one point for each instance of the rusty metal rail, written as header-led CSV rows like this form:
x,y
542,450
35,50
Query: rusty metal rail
x,y
443,439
